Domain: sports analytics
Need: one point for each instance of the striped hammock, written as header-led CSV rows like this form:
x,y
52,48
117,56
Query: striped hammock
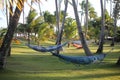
x,y
81,59
46,49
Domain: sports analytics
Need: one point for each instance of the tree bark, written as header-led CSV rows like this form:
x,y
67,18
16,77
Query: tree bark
x,y
80,32
101,41
59,38
9,35
10,18
118,62
57,20
115,22
86,18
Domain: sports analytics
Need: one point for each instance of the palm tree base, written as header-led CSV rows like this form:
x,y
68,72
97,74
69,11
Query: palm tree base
x,y
118,62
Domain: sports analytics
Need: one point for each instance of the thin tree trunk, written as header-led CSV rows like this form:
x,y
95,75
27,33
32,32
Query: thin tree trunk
x,y
57,20
101,41
7,13
115,22
61,30
110,8
86,18
40,8
80,32
28,37
113,40
118,62
9,35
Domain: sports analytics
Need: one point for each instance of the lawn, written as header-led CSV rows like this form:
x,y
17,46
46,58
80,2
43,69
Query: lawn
x,y
27,64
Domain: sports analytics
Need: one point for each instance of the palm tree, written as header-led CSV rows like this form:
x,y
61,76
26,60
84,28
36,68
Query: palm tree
x,y
32,22
10,18
102,35
92,14
59,38
57,19
86,18
115,15
70,28
89,12
80,32
9,35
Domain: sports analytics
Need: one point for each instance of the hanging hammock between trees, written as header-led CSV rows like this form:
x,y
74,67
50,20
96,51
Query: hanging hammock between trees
x,y
81,59
46,49
78,46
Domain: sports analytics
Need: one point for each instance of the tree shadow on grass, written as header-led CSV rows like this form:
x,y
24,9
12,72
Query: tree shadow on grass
x,y
58,76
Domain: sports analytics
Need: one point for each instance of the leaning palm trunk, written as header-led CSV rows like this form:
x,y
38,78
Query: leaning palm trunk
x,y
9,35
10,18
57,20
84,44
61,30
101,41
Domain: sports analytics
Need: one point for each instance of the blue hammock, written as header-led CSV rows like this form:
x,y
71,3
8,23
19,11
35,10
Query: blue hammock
x,y
46,49
81,59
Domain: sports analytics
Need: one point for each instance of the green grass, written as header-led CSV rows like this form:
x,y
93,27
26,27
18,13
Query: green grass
x,y
27,64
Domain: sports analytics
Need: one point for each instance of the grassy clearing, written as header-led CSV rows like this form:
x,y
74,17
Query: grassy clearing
x,y
27,64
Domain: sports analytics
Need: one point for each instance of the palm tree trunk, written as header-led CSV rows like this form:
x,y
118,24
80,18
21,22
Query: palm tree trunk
x,y
115,22
40,8
118,62
80,32
57,20
111,8
101,41
61,30
86,18
7,13
9,35
10,18
113,40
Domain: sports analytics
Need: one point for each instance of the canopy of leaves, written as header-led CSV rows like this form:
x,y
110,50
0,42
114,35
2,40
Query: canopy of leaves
x,y
70,29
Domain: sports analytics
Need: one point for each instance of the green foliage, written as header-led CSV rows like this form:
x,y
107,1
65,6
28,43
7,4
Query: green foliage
x,y
70,30
45,32
2,32
117,37
61,15
95,26
92,13
32,14
49,18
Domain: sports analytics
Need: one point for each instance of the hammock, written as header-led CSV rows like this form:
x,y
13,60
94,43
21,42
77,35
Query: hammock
x,y
79,42
78,46
46,49
81,59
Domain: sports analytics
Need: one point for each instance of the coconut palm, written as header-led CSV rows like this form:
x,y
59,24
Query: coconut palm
x,y
9,35
116,16
102,35
89,12
59,38
70,30
80,32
